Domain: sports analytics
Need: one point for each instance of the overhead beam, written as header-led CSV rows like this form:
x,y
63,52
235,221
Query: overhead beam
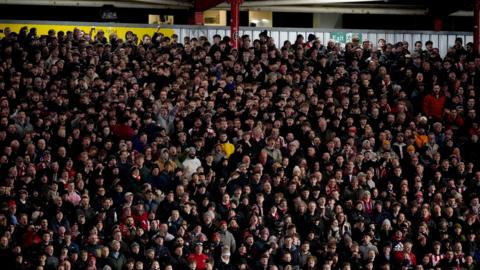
x,y
202,5
442,9
160,4
342,10
302,2
164,2
462,13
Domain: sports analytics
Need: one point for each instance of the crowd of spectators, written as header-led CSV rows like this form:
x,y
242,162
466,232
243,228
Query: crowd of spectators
x,y
158,153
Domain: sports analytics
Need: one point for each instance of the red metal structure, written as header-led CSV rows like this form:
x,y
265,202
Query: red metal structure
x,y
197,18
437,24
235,23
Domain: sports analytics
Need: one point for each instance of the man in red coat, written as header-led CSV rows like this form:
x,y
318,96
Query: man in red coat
x,y
406,257
199,257
434,104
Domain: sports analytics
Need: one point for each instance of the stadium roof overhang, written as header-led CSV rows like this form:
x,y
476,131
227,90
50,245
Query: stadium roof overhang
x,y
390,7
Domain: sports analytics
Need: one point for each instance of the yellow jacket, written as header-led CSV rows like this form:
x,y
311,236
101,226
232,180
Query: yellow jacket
x,y
228,148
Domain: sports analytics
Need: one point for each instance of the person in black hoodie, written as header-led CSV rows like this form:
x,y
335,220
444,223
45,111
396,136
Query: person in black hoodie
x,y
385,256
177,258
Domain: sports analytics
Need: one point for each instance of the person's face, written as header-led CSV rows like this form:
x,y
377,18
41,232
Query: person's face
x,y
264,261
4,241
139,265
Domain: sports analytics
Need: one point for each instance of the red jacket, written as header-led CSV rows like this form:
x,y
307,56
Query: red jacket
x,y
451,122
399,256
141,220
200,260
433,106
123,131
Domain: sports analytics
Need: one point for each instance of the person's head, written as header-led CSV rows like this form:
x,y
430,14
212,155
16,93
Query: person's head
x,y
115,246
198,248
105,251
4,242
264,260
223,137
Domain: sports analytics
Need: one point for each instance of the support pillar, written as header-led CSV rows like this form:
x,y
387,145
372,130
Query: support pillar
x,y
476,27
235,23
198,18
437,24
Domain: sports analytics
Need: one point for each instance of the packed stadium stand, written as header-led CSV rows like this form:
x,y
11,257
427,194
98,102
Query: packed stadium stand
x,y
154,150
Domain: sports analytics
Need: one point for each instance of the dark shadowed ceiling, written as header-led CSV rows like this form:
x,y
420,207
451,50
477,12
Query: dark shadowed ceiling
x,y
394,7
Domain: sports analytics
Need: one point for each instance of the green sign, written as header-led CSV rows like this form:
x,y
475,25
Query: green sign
x,y
344,37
